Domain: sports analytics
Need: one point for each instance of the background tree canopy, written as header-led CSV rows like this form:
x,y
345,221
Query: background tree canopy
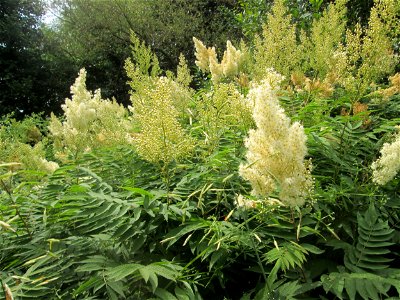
x,y
27,83
38,61
97,33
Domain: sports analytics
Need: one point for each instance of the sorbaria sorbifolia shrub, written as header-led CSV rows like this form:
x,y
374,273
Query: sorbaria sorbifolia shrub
x,y
159,136
159,103
353,59
89,122
276,150
277,47
22,146
367,55
394,87
325,36
25,156
387,166
223,109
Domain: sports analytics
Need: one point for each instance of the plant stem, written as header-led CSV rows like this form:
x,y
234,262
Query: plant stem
x,y
167,179
257,255
9,192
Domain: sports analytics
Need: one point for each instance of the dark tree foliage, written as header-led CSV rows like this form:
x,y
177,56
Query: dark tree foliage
x,y
359,11
28,78
19,36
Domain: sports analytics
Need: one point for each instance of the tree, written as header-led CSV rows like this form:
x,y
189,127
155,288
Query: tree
x,y
28,79
97,34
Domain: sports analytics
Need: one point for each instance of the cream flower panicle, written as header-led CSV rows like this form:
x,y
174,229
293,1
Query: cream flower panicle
x,y
231,60
207,61
387,166
203,55
161,137
276,151
245,203
277,46
88,117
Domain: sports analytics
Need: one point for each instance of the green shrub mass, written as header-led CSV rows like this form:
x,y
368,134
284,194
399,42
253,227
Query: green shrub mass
x,y
276,178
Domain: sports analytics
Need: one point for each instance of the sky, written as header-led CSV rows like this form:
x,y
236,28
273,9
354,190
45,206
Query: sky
x,y
50,15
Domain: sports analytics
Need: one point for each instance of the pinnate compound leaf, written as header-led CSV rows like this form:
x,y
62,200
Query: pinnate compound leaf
x,y
366,285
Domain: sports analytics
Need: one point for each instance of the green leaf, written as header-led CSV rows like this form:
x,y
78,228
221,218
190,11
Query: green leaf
x,y
181,294
138,191
111,294
313,249
164,294
289,289
122,271
145,272
350,287
217,255
117,287
90,268
164,270
174,235
334,282
361,289
153,281
367,285
90,283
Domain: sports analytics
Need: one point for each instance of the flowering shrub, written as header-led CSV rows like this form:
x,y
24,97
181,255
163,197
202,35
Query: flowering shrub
x,y
324,39
192,219
23,146
277,47
26,157
222,110
160,137
363,56
89,122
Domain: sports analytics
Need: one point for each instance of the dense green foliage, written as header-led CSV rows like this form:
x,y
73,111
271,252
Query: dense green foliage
x,y
252,186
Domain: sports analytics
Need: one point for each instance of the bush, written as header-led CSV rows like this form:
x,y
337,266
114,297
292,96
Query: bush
x,y
165,210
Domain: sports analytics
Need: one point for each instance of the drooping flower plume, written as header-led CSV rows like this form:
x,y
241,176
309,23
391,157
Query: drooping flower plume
x,y
207,61
89,121
276,151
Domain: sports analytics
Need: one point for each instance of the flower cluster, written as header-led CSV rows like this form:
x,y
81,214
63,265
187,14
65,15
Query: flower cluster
x,y
353,58
394,87
22,146
89,121
183,76
204,55
313,86
276,151
206,60
277,47
325,37
387,166
160,137
222,109
26,157
367,55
